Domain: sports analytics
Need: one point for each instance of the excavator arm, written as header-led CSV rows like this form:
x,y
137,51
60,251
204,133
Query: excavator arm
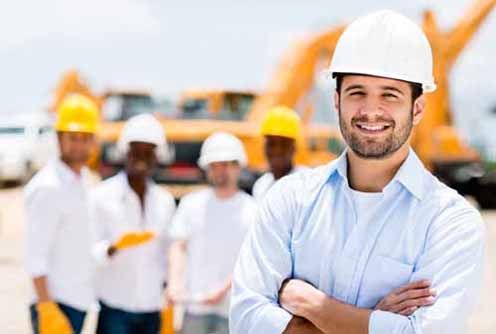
x,y
71,82
458,37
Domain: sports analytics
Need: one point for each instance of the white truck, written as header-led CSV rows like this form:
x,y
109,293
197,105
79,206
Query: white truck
x,y
27,142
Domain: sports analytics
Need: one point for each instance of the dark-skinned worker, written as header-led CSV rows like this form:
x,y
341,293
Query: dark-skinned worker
x,y
58,251
372,242
131,215
208,230
281,129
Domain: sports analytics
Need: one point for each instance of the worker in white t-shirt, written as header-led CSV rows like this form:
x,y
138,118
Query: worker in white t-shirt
x,y
281,129
209,228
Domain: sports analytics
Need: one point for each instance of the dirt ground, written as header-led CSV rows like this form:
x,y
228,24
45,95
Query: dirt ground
x,y
14,284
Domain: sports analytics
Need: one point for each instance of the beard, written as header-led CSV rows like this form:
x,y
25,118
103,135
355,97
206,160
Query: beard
x,y
376,148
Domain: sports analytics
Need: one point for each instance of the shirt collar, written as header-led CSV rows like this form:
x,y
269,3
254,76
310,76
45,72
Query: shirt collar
x,y
66,173
409,175
126,188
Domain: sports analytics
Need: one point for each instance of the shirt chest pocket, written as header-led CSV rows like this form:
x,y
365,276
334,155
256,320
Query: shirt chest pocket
x,y
381,277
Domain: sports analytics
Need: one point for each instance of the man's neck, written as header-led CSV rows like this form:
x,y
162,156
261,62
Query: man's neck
x,y
225,193
369,175
75,167
138,185
282,172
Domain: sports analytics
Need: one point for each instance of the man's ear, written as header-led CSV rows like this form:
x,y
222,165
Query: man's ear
x,y
336,101
418,109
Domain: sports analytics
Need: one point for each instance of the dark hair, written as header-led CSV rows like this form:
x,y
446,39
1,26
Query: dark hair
x,y
415,87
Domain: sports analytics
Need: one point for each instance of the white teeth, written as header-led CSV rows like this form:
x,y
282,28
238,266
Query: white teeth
x,y
372,127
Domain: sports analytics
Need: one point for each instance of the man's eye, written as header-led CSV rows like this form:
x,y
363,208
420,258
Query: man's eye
x,y
390,96
357,93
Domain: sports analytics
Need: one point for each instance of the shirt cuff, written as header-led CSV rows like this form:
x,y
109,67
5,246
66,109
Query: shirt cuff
x,y
36,268
274,320
382,322
100,252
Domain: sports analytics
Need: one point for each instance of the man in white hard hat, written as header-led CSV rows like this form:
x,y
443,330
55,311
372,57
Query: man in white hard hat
x,y
58,252
209,227
131,215
371,242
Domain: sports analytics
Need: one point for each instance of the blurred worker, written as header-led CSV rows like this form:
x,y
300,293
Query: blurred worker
x,y
131,217
371,242
281,129
208,229
58,251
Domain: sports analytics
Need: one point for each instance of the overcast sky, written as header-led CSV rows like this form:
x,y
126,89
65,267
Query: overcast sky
x,y
170,45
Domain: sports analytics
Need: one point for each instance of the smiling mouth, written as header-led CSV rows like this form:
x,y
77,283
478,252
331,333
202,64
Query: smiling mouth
x,y
372,128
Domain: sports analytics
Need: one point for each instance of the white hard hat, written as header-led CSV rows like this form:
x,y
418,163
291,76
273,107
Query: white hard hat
x,y
385,44
222,146
143,128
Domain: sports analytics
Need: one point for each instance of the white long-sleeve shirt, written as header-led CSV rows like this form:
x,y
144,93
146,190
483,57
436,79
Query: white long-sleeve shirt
x,y
58,233
266,181
309,229
132,279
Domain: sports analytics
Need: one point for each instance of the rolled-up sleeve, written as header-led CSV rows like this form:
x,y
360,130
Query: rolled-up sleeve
x,y
264,263
453,260
99,231
42,221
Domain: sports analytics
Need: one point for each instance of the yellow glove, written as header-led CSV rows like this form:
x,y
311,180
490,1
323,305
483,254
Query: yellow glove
x,y
51,320
133,239
167,320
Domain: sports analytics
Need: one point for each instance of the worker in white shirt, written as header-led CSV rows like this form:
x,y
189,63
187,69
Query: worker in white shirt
x,y
58,251
131,216
281,129
372,242
208,229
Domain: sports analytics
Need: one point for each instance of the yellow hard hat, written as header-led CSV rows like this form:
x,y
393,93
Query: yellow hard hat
x,y
77,113
283,122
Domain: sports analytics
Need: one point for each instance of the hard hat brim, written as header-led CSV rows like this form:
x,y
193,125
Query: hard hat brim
x,y
76,127
426,87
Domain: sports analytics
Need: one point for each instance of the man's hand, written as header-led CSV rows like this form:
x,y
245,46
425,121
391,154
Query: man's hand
x,y
407,299
175,295
328,315
217,296
214,298
293,296
299,325
296,296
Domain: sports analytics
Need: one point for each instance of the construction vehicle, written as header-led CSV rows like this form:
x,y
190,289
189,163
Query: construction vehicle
x,y
215,104
28,142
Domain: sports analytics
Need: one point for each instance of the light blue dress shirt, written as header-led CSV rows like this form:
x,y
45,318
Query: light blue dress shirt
x,y
308,229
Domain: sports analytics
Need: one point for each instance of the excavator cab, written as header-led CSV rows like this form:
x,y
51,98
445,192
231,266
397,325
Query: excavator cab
x,y
119,106
215,105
